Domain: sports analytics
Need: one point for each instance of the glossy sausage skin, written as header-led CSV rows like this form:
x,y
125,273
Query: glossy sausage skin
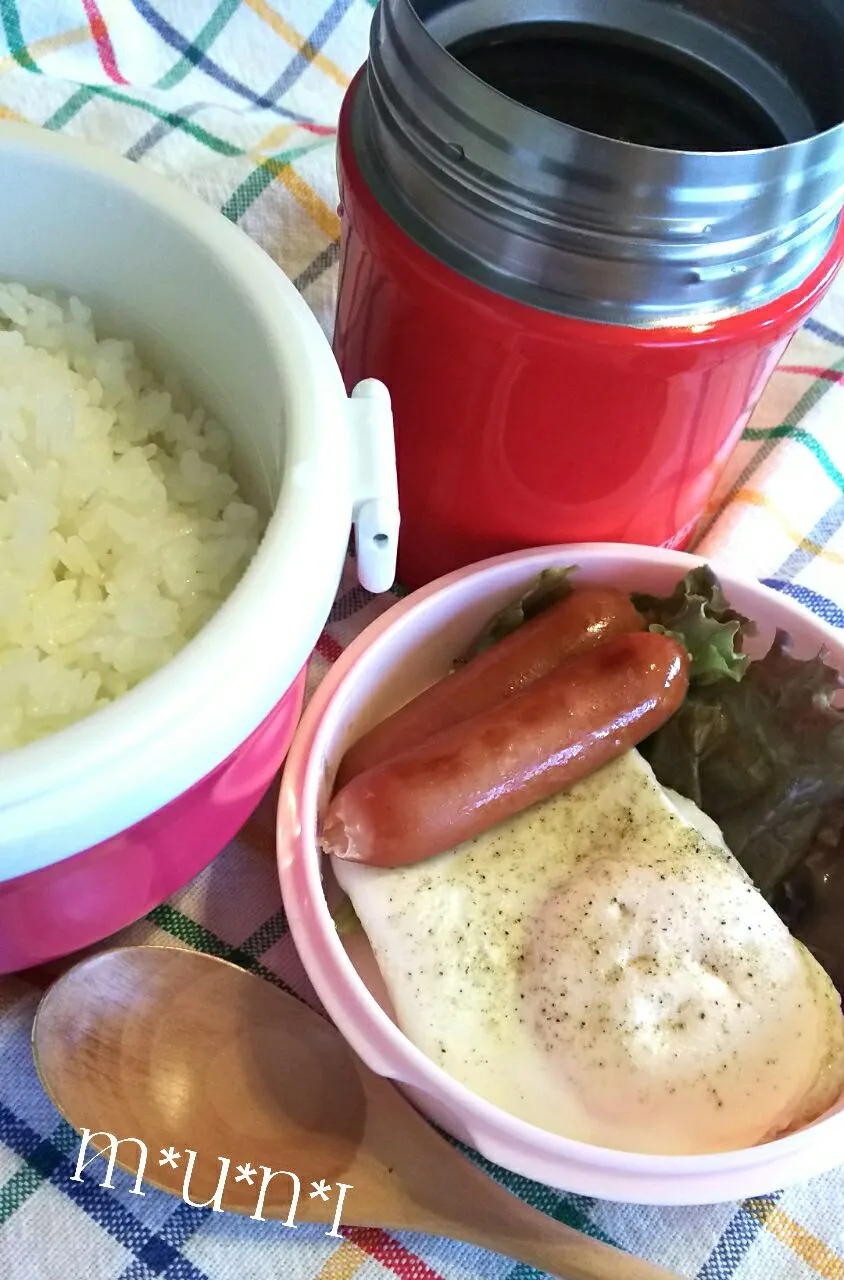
x,y
472,775
578,622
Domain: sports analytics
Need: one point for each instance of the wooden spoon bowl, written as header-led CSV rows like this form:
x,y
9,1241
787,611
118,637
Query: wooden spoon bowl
x,y
189,1054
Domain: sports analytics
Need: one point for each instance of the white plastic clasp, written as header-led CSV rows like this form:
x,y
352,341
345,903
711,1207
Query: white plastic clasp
x,y
375,494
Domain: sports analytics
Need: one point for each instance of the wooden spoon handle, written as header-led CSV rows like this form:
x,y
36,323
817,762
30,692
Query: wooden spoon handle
x,y
425,1184
517,1231
529,1236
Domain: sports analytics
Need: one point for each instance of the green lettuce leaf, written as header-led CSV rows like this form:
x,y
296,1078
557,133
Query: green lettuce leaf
x,y
763,756
698,615
346,919
810,899
551,585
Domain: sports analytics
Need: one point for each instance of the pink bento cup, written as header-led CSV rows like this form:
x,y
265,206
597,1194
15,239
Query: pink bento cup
x,y
404,650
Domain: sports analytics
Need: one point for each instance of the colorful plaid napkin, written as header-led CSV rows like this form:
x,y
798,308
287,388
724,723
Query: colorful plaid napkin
x,y
237,100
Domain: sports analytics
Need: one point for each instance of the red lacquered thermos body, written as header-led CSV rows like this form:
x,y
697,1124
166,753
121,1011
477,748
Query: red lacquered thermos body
x,y
517,424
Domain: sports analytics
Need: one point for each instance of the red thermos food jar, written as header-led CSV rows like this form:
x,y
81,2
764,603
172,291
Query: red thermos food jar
x,y
577,237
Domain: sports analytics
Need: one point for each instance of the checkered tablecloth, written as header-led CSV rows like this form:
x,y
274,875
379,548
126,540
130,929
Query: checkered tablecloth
x,y
237,100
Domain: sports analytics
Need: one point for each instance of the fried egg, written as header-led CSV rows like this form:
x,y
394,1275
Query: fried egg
x,y
602,967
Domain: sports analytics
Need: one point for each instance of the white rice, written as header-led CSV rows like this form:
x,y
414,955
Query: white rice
x,y
121,527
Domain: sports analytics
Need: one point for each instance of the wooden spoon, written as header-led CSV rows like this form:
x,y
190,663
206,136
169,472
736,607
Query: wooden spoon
x,y
186,1052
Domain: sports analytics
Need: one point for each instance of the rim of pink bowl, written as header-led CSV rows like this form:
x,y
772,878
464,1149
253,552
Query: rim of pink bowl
x,y
498,1136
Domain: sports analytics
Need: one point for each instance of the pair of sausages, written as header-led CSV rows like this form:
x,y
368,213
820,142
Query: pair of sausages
x,y
549,704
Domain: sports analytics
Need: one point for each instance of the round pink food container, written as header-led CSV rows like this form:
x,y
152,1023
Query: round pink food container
x,y
102,821
395,658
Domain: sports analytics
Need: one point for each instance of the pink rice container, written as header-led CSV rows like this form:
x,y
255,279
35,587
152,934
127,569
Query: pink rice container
x,y
103,821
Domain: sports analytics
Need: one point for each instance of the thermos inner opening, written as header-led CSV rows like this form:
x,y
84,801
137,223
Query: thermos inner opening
x,y
619,85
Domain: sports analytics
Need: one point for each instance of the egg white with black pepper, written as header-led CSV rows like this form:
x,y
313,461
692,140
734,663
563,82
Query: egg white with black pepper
x,y
601,966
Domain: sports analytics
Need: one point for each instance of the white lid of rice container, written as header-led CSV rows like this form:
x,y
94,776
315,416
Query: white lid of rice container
x,y
160,267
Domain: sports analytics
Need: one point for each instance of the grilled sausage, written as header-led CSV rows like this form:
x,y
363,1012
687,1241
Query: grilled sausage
x,y
578,622
463,780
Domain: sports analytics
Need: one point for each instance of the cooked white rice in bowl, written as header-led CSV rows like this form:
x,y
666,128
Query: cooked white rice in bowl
x,y
122,529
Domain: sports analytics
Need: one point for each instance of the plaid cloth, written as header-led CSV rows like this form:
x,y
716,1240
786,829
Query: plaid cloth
x,y
237,100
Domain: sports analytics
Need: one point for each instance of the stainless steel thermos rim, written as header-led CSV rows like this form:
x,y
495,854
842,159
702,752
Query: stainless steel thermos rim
x,y
478,128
